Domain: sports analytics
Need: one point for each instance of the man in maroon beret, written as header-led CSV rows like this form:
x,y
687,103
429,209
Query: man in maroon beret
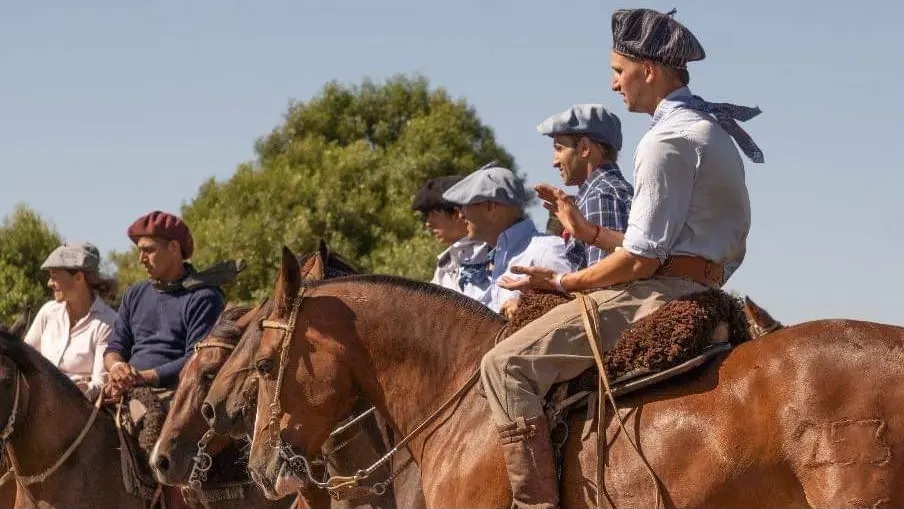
x,y
160,319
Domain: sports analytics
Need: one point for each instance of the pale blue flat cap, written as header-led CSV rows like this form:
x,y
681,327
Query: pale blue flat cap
x,y
490,183
590,120
73,256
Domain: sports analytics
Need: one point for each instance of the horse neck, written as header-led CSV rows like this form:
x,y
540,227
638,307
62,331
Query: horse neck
x,y
52,422
416,356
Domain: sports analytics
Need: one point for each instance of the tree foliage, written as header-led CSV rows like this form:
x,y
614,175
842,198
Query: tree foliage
x,y
343,166
25,241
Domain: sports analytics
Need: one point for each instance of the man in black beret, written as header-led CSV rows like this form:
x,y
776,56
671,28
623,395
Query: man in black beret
x,y
462,266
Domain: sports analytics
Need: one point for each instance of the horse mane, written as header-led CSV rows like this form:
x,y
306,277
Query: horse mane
x,y
430,290
29,361
225,327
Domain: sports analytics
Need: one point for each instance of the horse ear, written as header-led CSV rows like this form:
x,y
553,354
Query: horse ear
x,y
323,249
318,266
288,283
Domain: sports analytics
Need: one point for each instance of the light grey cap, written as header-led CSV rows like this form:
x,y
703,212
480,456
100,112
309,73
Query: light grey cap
x,y
590,120
489,183
76,256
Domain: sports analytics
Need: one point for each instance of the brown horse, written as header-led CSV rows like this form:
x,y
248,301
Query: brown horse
x,y
177,448
808,415
44,415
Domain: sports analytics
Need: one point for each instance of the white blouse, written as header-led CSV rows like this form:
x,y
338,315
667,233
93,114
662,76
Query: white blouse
x,y
77,352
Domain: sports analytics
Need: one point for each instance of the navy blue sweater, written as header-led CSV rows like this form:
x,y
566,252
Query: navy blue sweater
x,y
158,330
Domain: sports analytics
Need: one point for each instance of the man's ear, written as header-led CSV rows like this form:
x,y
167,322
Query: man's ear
x,y
584,147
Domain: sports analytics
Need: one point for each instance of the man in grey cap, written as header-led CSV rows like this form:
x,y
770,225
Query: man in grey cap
x,y
586,139
687,231
492,203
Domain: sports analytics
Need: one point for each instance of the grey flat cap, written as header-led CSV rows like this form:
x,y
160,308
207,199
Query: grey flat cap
x,y
590,120
653,35
75,256
490,183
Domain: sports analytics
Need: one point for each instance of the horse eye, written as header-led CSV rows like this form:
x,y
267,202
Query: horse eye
x,y
208,376
265,366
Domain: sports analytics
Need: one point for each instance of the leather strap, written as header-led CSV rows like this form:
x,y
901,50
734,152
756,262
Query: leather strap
x,y
695,268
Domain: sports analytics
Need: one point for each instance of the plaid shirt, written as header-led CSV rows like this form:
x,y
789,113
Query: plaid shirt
x,y
604,199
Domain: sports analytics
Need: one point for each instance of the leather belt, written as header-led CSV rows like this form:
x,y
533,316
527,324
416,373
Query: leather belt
x,y
697,269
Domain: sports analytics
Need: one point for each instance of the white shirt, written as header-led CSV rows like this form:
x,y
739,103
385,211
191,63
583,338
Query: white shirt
x,y
448,265
77,352
690,197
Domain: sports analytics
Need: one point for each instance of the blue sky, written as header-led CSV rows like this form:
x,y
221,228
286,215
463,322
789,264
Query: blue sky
x,y
111,109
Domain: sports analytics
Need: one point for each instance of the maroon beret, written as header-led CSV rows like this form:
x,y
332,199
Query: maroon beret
x,y
165,226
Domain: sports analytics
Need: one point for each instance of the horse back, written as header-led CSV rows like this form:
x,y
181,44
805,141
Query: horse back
x,y
805,416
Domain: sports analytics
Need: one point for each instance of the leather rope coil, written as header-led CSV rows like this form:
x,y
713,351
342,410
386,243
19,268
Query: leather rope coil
x,y
590,317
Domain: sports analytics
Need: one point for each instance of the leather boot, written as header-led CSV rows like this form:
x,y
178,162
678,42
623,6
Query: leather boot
x,y
527,448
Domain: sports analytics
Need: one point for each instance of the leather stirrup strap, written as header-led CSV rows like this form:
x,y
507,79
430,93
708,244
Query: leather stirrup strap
x,y
590,317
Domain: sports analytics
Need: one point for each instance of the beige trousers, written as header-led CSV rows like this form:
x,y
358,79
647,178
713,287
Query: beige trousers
x,y
519,371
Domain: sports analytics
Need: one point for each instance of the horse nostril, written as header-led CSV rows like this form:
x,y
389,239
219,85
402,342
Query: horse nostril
x,y
207,413
163,463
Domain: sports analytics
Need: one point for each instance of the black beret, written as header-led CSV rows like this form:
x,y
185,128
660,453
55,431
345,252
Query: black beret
x,y
430,196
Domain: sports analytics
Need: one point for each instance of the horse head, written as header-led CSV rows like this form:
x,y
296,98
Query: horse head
x,y
297,350
184,428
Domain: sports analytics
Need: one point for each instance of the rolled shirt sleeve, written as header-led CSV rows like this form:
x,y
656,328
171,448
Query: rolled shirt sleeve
x,y
664,172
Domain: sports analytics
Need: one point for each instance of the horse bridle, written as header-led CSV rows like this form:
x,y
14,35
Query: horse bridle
x,y
202,461
9,429
298,463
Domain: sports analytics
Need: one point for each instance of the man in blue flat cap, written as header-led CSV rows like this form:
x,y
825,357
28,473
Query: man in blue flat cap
x,y
492,203
687,231
586,139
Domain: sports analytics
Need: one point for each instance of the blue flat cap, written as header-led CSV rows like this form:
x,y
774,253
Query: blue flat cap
x,y
74,256
590,120
490,183
656,36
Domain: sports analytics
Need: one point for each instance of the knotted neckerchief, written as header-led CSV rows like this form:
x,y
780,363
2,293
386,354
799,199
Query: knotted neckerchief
x,y
476,271
727,115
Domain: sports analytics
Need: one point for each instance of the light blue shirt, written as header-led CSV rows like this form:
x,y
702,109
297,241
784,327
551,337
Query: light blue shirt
x,y
690,197
521,244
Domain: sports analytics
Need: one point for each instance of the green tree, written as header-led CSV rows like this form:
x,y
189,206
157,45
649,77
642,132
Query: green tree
x,y
25,241
343,166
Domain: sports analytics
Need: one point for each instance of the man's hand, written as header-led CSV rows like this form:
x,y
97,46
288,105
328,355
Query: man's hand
x,y
538,278
509,308
123,376
566,211
111,393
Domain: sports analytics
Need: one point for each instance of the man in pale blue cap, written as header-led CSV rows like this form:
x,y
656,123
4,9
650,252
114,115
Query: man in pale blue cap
x,y
492,203
586,139
687,231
